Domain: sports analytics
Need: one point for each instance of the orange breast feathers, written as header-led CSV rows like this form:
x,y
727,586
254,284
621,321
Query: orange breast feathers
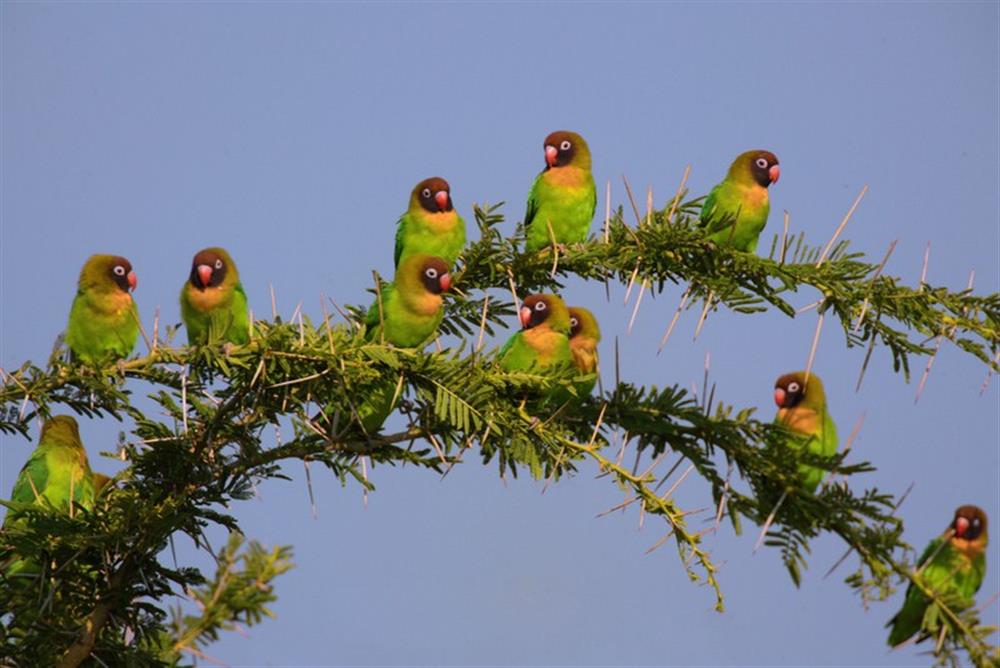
x,y
584,354
804,420
544,341
566,177
207,299
439,221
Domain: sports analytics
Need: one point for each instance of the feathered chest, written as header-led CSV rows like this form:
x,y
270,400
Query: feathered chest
x,y
584,354
549,344
563,178
209,299
803,420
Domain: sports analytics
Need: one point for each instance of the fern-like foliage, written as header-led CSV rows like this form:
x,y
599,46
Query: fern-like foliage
x,y
100,592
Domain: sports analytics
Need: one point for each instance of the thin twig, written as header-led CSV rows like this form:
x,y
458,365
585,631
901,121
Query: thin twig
x,y
673,321
770,520
840,228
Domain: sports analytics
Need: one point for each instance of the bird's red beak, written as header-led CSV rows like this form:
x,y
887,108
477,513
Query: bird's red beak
x,y
774,173
550,155
441,197
132,280
445,282
204,275
779,397
961,526
525,317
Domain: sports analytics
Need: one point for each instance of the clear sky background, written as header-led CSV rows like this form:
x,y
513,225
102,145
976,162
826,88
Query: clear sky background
x,y
292,135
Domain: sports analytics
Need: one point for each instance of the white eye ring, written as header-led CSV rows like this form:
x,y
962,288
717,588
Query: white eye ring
x,y
762,163
431,272
218,264
793,387
119,270
565,145
426,193
540,306
573,322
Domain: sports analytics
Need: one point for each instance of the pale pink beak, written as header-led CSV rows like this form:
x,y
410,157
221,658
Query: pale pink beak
x,y
961,526
550,155
204,275
779,397
445,281
525,317
441,197
132,281
774,173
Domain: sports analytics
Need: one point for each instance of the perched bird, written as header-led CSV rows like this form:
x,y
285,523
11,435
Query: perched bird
x,y
543,343
802,409
411,310
56,472
584,335
736,210
563,196
411,306
431,225
954,565
103,321
213,303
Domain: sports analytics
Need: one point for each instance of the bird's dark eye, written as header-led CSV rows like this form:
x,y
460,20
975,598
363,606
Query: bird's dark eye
x,y
564,146
426,193
119,270
762,163
540,306
218,264
975,523
431,272
573,322
793,387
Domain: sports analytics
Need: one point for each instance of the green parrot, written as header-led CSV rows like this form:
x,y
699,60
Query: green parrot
x,y
57,471
953,564
584,335
543,343
735,211
563,195
213,303
412,309
431,225
103,321
802,409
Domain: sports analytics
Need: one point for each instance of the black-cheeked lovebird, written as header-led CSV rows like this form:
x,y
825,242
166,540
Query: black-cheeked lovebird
x,y
584,335
952,566
103,321
57,474
802,409
430,226
735,211
213,302
563,196
411,310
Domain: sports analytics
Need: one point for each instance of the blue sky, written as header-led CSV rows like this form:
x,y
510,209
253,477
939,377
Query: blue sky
x,y
292,134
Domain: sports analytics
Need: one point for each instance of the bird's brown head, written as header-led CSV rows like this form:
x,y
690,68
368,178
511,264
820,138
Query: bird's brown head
x,y
433,195
434,275
583,323
794,389
62,429
108,273
969,523
564,148
209,268
761,165
544,309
